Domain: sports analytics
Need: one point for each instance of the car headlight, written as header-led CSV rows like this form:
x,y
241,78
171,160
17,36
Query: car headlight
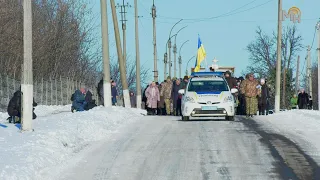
x,y
189,99
228,99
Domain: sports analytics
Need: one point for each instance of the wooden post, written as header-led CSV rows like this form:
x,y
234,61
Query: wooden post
x,y
42,93
35,88
51,91
61,90
8,91
47,93
56,87
68,90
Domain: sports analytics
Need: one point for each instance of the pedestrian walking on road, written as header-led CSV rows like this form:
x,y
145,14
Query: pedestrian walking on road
x,y
251,89
263,98
153,96
166,92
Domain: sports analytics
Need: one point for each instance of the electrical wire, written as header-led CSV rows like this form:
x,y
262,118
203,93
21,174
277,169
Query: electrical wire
x,y
195,20
187,19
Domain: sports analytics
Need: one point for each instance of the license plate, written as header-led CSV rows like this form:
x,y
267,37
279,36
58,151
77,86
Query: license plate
x,y
208,108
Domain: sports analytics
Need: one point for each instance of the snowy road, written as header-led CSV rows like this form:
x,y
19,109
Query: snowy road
x,y
163,148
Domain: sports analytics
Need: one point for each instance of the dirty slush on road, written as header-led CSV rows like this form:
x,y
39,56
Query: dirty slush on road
x,y
292,163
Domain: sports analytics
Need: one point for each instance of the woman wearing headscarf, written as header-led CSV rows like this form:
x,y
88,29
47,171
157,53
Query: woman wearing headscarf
x,y
153,96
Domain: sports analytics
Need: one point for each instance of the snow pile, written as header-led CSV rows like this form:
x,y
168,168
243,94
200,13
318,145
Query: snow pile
x,y
56,138
42,111
300,126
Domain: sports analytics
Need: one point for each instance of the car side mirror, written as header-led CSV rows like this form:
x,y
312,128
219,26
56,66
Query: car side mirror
x,y
181,91
234,90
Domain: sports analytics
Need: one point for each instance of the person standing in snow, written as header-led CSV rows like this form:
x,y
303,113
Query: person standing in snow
x,y
91,103
161,109
133,100
294,102
303,99
232,82
166,92
100,92
175,97
153,96
114,93
263,98
251,89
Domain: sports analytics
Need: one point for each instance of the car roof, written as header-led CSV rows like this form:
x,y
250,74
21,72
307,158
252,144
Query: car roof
x,y
207,79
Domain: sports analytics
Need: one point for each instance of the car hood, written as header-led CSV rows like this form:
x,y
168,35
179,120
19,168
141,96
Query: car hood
x,y
208,97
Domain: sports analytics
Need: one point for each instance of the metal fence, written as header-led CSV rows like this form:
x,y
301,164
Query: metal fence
x,y
45,92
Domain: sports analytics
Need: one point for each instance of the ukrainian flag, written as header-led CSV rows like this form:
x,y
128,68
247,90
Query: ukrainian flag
x,y
201,55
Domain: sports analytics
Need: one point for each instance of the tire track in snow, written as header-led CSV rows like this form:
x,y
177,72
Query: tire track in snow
x,y
293,163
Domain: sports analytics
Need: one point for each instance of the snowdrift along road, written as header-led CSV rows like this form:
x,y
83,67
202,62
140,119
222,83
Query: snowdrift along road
x,y
58,135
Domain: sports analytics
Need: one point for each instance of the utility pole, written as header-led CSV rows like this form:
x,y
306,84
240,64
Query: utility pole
x,y
154,15
175,59
180,62
105,53
138,79
318,29
284,86
309,71
27,74
170,62
124,27
278,68
180,59
165,60
297,75
120,56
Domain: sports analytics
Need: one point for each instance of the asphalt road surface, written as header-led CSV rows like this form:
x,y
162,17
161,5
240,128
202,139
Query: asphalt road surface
x,y
165,148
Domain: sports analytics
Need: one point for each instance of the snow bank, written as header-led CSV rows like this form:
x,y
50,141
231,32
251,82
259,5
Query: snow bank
x,y
300,126
58,135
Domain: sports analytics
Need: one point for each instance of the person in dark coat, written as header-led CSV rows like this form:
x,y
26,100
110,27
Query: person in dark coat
x,y
310,103
100,92
175,97
144,97
263,98
78,100
232,82
303,100
133,100
114,93
91,103
14,108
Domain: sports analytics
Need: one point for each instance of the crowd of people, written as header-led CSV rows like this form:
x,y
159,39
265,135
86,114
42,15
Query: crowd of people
x,y
253,96
163,99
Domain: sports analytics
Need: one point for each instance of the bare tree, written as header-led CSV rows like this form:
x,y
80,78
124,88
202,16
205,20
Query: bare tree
x,y
63,39
263,59
131,74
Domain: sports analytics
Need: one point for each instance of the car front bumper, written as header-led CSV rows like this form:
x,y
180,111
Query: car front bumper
x,y
195,110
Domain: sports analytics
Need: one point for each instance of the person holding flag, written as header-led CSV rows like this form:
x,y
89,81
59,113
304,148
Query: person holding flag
x,y
201,55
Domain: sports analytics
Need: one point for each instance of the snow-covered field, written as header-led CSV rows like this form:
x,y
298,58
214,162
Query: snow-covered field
x,y
58,136
300,126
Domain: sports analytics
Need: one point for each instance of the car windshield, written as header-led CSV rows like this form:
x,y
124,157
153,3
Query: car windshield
x,y
207,86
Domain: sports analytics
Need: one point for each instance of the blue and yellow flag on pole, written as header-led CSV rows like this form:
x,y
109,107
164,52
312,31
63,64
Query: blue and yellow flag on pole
x,y
201,55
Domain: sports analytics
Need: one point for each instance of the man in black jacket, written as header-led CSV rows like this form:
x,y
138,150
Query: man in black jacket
x,y
264,98
14,108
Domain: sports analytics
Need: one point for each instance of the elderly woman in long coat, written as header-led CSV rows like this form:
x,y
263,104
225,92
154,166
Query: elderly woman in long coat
x,y
153,96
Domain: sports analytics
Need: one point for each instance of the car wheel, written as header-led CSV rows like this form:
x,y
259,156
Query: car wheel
x,y
230,118
185,118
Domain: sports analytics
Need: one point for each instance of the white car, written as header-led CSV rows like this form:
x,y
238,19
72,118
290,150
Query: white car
x,y
207,95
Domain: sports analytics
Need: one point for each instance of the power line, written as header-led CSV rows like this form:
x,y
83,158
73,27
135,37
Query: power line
x,y
207,18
